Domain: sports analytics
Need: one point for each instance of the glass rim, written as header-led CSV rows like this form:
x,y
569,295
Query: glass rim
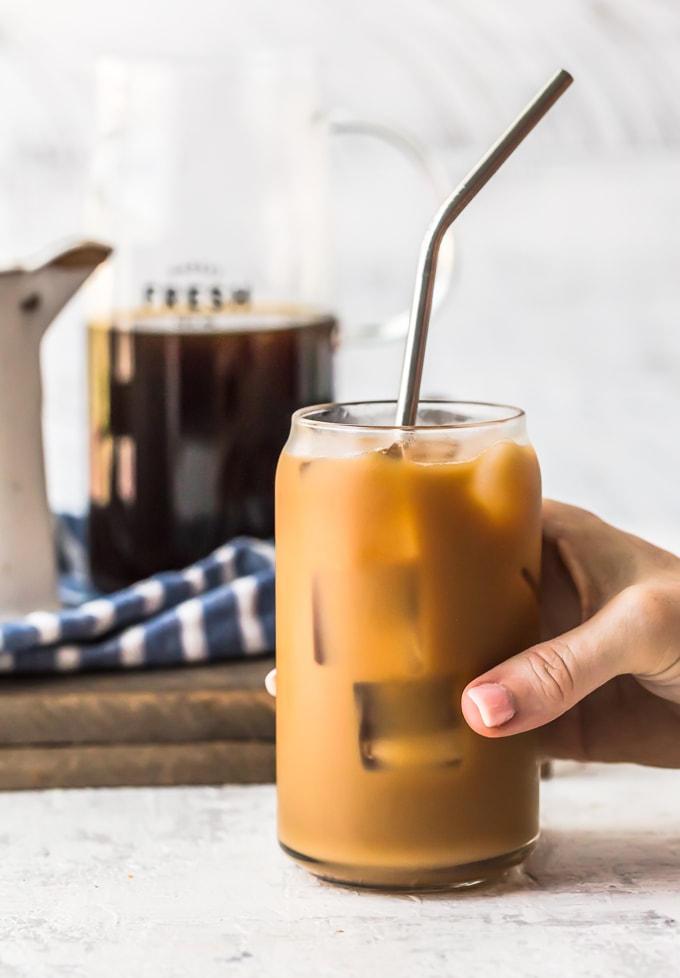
x,y
509,413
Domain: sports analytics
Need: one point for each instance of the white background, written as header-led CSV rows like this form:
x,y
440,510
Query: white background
x,y
567,290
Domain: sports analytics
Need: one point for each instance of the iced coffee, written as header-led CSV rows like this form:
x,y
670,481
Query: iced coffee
x,y
408,562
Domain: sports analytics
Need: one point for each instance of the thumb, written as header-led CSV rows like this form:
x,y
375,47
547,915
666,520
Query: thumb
x,y
545,681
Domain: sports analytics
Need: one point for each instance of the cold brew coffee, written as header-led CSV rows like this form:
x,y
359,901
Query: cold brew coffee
x,y
188,415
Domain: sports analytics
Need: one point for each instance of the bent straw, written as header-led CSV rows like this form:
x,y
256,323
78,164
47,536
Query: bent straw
x,y
414,355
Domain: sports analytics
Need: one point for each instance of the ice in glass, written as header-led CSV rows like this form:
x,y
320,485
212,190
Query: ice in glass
x,y
408,563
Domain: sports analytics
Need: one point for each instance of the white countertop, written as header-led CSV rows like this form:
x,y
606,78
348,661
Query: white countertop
x,y
190,881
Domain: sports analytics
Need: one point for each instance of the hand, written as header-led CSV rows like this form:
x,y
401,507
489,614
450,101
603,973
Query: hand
x,y
604,684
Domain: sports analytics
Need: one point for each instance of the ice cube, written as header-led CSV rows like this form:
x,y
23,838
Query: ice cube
x,y
506,483
409,723
368,516
395,451
437,416
368,608
432,452
393,593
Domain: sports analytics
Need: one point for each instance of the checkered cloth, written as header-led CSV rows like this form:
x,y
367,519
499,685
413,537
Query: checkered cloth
x,y
219,608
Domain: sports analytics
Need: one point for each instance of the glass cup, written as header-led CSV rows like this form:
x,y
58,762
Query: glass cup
x,y
408,562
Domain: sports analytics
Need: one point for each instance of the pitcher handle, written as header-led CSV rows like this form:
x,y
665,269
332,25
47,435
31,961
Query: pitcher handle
x,y
436,178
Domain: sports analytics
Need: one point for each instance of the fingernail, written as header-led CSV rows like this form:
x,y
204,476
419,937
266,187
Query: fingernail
x,y
494,703
270,682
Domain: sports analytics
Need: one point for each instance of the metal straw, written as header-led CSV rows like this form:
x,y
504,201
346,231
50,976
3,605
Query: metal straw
x,y
412,370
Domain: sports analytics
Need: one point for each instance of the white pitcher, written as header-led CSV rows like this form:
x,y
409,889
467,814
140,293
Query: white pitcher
x,y
30,298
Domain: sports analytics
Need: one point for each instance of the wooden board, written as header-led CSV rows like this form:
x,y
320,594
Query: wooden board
x,y
194,725
114,765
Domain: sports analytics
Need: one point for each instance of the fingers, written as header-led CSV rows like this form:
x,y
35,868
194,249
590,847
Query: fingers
x,y
600,560
621,721
596,556
540,684
559,600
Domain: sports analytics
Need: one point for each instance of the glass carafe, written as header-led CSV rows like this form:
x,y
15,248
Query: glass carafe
x,y
216,318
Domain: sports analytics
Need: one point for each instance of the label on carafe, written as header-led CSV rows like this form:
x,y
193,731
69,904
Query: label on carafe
x,y
193,297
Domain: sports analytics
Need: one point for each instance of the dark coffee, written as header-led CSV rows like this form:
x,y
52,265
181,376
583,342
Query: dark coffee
x,y
188,416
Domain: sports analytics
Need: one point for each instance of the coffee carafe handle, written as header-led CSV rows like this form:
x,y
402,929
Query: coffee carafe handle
x,y
435,176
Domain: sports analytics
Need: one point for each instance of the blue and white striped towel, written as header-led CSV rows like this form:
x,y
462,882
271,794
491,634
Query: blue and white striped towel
x,y
219,608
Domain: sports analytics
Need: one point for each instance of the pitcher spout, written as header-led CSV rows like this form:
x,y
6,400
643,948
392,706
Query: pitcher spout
x,y
45,289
